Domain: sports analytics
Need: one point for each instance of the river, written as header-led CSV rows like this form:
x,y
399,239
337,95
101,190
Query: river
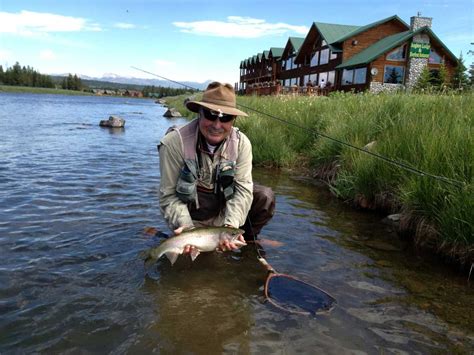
x,y
76,198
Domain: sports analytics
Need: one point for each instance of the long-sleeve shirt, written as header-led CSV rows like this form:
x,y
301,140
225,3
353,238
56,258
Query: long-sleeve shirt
x,y
175,211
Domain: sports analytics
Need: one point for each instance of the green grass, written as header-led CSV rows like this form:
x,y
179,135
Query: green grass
x,y
430,132
33,90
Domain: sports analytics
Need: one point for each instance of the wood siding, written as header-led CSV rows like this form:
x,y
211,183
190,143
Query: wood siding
x,y
367,38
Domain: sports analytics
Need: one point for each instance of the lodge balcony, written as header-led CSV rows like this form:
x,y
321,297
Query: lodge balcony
x,y
269,88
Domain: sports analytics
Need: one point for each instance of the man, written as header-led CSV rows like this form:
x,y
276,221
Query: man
x,y
206,171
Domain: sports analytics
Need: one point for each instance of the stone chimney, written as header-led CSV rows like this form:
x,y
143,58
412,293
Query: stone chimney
x,y
417,21
415,65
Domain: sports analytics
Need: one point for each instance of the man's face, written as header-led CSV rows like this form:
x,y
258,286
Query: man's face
x,y
211,126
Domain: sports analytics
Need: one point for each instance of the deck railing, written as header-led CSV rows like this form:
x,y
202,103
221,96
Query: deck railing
x,y
288,90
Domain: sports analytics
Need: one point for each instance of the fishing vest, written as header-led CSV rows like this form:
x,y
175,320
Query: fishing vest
x,y
189,177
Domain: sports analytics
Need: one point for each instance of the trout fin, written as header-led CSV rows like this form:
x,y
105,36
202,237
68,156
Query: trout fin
x,y
172,256
194,254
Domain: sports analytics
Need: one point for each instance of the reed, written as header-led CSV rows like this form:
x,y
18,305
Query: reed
x,y
430,132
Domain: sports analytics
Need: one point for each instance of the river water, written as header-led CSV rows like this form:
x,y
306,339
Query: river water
x,y
76,198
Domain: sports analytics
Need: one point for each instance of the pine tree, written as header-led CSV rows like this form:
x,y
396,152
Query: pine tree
x,y
471,67
424,80
460,79
1,74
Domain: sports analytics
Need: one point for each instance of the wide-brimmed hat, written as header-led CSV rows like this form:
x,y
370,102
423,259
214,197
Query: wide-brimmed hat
x,y
218,97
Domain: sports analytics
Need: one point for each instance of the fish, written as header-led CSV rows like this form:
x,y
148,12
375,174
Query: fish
x,y
204,239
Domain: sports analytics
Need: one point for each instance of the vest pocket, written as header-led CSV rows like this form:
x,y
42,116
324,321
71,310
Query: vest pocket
x,y
186,185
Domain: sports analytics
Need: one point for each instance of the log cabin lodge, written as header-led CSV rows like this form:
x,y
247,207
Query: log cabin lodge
x,y
382,56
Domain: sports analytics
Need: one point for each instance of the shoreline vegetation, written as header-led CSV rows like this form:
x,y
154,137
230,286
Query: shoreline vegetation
x,y
39,90
432,132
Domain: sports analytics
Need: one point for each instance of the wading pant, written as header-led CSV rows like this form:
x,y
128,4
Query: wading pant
x,y
211,206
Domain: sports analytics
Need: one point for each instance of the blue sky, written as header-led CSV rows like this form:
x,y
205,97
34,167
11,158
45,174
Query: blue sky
x,y
191,40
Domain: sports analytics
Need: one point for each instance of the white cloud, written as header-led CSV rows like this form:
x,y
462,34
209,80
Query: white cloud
x,y
47,54
30,23
124,26
236,26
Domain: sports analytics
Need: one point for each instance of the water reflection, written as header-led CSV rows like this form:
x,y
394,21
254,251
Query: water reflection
x,y
203,307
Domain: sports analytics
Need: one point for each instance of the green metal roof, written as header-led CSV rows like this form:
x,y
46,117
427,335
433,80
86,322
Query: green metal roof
x,y
259,56
386,44
265,54
276,52
296,42
370,25
332,32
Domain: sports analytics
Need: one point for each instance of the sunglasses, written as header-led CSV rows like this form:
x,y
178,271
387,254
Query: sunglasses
x,y
213,115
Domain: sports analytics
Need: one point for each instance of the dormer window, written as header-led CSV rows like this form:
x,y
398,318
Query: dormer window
x,y
398,54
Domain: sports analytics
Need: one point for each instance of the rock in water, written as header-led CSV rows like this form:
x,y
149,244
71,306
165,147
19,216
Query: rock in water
x,y
113,122
171,112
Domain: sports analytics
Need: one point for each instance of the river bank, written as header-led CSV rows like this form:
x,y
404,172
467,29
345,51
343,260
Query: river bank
x,y
35,90
430,132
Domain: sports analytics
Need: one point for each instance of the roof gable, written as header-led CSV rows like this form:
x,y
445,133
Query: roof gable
x,y
294,43
332,32
372,25
276,52
386,44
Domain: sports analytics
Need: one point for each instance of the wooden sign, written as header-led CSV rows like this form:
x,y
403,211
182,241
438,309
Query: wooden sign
x,y
420,50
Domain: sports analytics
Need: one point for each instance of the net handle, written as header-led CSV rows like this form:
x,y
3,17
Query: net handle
x,y
267,266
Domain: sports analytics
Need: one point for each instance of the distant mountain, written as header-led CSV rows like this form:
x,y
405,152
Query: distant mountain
x,y
129,82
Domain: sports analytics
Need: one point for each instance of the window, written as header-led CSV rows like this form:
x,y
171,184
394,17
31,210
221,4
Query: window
x,y
324,43
359,75
331,78
313,78
333,56
324,57
315,59
435,58
347,76
398,54
393,74
354,76
323,79
293,64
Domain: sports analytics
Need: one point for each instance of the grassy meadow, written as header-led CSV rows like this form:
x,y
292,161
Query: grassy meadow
x,y
433,133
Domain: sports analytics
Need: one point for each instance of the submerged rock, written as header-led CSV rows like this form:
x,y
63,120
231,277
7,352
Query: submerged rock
x,y
113,122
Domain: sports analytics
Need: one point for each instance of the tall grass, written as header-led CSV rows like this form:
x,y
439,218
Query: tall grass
x,y
430,132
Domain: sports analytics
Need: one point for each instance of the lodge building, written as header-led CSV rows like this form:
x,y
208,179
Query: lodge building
x,y
382,56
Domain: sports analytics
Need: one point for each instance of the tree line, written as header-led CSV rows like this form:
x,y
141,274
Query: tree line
x,y
160,91
24,76
18,75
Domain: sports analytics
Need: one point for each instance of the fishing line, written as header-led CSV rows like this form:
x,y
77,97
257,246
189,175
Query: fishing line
x,y
405,166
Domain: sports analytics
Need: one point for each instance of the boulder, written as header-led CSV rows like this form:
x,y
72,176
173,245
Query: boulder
x,y
172,112
113,122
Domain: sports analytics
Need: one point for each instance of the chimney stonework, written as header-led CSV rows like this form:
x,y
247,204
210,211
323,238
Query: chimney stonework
x,y
416,65
417,21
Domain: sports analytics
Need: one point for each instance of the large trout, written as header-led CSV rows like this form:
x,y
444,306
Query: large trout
x,y
203,239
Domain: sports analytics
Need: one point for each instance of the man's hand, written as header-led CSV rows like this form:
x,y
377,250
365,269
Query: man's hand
x,y
188,249
225,245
